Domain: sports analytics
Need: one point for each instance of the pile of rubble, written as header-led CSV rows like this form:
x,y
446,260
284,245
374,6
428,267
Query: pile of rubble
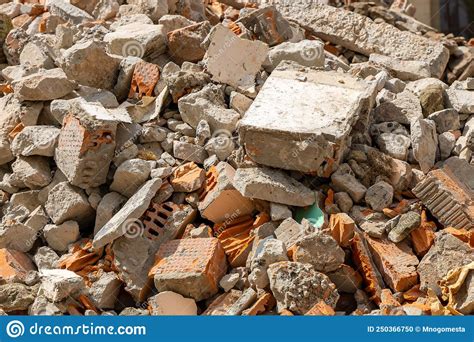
x,y
168,157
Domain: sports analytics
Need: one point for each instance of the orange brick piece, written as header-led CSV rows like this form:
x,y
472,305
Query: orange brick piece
x,y
220,201
14,265
448,195
190,267
396,262
321,309
342,228
462,234
362,258
145,77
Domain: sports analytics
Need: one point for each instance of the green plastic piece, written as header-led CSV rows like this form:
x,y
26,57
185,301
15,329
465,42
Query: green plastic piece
x,y
312,213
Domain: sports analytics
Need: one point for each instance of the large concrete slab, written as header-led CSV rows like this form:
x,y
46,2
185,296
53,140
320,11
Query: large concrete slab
x,y
302,118
361,34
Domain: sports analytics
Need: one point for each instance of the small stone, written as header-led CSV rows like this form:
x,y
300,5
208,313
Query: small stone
x,y
343,201
349,184
58,285
59,237
229,281
36,141
45,258
189,152
68,203
272,185
239,102
379,196
395,145
130,176
31,172
268,252
406,224
447,141
16,297
105,290
229,65
446,120
432,99
320,250
424,141
279,212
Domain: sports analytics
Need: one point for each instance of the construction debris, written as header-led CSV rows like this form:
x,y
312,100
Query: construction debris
x,y
231,158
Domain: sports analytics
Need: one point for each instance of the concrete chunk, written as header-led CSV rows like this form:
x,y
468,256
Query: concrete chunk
x,y
273,186
226,61
44,85
298,287
59,284
359,33
131,211
301,132
68,203
447,253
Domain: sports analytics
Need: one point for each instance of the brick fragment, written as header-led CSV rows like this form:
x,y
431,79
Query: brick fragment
x,y
190,267
321,309
396,262
14,265
219,200
144,79
363,260
188,178
85,150
342,228
237,239
448,193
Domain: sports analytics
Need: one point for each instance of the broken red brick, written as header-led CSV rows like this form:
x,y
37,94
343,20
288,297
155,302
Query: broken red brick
x,y
14,265
190,267
237,239
144,79
396,263
321,309
188,178
220,202
263,304
222,303
365,265
342,228
462,234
